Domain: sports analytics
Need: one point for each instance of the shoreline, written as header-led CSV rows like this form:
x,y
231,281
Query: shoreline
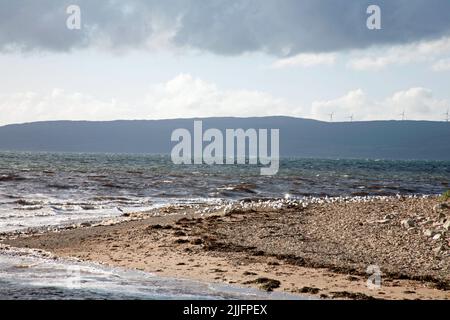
x,y
320,249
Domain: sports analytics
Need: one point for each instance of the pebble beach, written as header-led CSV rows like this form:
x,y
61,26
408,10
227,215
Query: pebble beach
x,y
318,247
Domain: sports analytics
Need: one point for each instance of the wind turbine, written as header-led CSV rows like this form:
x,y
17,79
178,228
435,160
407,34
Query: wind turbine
x,y
446,116
351,118
331,116
403,114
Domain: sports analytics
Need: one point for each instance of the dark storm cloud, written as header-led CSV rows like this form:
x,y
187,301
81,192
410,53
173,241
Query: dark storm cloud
x,y
227,27
41,25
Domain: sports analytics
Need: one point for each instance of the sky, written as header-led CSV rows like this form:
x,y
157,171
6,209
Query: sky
x,y
136,59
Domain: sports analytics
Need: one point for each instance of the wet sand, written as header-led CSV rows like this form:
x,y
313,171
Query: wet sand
x,y
320,248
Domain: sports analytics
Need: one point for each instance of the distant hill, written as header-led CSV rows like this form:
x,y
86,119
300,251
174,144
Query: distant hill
x,y
298,137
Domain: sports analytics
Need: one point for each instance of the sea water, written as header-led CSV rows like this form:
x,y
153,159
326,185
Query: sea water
x,y
52,189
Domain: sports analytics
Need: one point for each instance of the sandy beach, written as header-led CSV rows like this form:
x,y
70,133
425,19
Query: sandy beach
x,y
319,247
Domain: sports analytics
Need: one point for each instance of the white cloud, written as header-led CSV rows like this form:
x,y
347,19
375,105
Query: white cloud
x,y
401,54
417,103
56,105
442,65
186,96
306,60
353,103
183,96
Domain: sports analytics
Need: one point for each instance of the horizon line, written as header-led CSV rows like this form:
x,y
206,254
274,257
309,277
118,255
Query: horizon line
x,y
224,117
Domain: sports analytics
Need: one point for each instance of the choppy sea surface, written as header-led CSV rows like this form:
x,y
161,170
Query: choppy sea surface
x,y
50,189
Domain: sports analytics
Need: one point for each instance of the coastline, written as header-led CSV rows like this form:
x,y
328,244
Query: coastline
x,y
321,248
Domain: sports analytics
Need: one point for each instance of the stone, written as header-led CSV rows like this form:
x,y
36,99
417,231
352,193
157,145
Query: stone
x,y
447,225
437,236
408,223
441,215
441,206
429,233
438,249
